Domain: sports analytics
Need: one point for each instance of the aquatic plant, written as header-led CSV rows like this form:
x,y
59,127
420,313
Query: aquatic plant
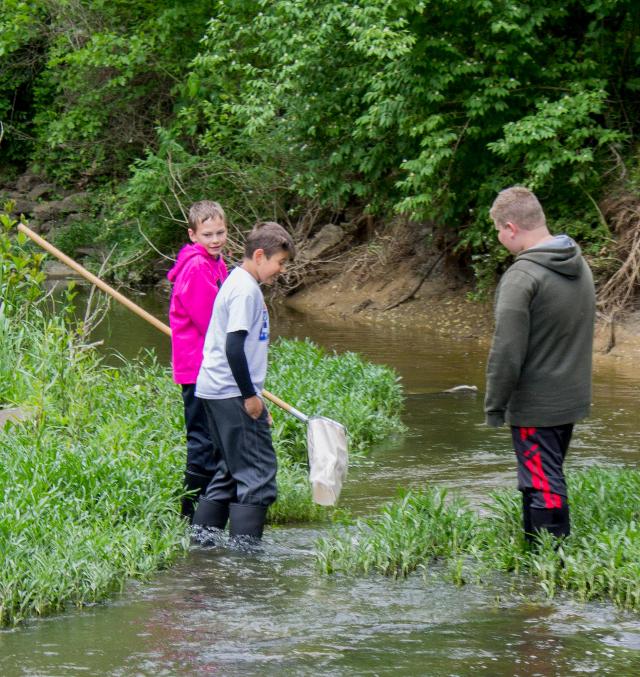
x,y
600,560
90,485
366,398
409,532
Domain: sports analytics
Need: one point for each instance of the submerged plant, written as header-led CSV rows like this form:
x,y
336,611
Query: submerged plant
x,y
599,560
411,531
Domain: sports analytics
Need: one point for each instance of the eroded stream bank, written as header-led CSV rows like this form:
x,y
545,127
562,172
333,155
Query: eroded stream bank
x,y
225,612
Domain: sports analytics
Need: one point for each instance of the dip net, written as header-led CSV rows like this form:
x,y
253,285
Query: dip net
x,y
328,458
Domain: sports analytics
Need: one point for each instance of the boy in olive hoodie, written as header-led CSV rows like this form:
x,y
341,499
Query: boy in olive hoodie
x,y
539,367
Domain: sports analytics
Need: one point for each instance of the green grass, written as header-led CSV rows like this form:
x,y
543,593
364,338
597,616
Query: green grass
x,y
409,532
600,560
90,485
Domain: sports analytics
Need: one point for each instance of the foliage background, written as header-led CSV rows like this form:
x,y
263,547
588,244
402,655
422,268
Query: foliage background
x,y
326,111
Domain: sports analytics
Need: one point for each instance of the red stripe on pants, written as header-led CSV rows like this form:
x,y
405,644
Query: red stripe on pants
x,y
538,477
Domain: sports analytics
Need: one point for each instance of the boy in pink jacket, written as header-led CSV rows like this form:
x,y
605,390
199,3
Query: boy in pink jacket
x,y
196,279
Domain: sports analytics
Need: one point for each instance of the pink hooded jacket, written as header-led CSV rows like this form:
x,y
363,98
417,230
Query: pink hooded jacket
x,y
196,277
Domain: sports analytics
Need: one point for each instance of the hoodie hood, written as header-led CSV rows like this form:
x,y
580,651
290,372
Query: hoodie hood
x,y
561,255
187,254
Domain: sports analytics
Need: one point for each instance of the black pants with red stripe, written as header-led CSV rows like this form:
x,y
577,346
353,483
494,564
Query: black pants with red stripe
x,y
540,453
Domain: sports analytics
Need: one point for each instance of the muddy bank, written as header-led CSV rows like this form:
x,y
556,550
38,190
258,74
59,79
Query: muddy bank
x,y
442,304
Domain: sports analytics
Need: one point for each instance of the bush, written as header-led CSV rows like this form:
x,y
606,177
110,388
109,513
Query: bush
x,y
326,111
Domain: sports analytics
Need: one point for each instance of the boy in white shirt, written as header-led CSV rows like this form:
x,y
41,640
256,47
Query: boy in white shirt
x,y
230,384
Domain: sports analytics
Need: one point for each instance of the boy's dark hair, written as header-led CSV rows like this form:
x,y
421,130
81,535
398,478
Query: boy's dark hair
x,y
199,212
270,237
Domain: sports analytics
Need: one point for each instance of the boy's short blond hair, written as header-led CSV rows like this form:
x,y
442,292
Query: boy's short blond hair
x,y
271,237
199,212
520,206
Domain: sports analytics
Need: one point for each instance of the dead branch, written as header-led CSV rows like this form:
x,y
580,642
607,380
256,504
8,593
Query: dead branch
x,y
414,291
148,241
618,294
95,314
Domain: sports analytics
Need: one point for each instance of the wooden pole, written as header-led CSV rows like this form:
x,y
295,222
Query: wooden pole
x,y
47,246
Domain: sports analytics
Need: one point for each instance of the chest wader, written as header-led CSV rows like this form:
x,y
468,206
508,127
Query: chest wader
x,y
201,451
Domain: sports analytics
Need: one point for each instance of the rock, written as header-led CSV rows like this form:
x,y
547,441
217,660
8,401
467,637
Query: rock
x,y
47,211
42,228
55,270
23,206
27,181
42,190
74,203
89,250
77,217
471,390
324,240
6,194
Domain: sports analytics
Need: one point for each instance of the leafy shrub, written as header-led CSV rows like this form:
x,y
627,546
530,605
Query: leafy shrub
x,y
431,107
314,112
101,76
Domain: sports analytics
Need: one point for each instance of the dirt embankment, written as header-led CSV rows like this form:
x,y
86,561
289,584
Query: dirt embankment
x,y
440,304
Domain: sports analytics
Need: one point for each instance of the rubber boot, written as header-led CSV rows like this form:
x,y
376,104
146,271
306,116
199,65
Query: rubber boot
x,y
211,514
195,483
246,519
554,520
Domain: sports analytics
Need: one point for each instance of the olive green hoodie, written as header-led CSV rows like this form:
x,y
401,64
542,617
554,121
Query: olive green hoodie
x,y
539,368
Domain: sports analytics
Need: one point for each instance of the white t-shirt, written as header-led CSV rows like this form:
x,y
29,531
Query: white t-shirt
x,y
239,306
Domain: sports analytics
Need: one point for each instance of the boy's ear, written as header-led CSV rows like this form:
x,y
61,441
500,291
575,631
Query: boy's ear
x,y
191,233
512,228
259,255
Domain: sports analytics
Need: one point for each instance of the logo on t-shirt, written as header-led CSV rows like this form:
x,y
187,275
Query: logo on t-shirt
x,y
264,330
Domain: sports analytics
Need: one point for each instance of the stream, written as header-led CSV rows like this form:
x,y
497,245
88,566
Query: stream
x,y
222,611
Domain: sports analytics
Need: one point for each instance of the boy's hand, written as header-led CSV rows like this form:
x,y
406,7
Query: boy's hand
x,y
253,406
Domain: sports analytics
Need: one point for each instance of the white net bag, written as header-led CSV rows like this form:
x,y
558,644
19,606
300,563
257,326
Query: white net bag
x,y
328,458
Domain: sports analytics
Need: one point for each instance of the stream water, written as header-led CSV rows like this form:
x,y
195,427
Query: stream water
x,y
222,611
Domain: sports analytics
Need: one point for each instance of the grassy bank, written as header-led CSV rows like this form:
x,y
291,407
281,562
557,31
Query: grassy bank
x,y
90,485
600,560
